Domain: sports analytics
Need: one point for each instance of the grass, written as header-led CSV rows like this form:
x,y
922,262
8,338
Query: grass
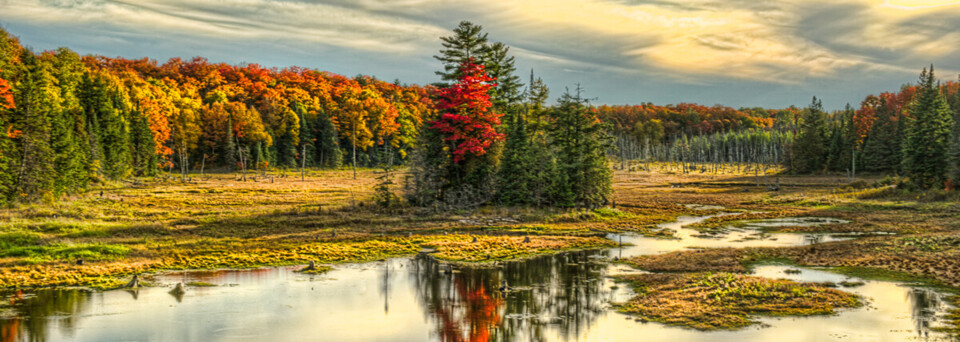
x,y
715,301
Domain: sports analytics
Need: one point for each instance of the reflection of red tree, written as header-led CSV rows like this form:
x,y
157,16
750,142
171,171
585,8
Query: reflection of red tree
x,y
482,313
8,333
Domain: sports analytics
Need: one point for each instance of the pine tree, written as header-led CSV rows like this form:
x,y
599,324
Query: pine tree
x,y
880,148
68,138
543,165
468,42
145,161
38,101
328,152
583,175
810,149
500,66
954,171
517,175
927,144
115,135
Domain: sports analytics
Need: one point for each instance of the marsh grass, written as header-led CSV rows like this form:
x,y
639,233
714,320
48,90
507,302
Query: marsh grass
x,y
713,301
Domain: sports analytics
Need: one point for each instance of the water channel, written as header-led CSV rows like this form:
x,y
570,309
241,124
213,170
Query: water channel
x,y
564,297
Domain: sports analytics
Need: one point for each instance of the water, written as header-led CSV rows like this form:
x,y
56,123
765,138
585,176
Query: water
x,y
564,297
750,235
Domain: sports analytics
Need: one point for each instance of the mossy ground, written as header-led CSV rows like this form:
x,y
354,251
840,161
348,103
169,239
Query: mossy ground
x,y
712,301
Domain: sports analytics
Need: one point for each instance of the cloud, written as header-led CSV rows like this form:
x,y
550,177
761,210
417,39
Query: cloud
x,y
683,46
296,22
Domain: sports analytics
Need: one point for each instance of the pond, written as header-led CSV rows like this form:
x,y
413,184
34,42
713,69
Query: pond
x,y
552,298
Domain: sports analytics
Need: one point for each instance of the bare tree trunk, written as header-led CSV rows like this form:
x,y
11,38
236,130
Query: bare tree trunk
x,y
354,140
303,162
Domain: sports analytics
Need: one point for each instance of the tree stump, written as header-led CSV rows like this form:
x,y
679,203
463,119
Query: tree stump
x,y
133,283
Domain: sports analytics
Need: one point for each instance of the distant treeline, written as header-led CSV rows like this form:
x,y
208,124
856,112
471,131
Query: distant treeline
x,y
914,133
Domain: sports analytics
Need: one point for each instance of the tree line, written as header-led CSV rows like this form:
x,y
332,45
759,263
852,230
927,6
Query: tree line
x,y
70,121
914,133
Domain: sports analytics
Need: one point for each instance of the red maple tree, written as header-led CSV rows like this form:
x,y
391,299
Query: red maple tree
x,y
466,119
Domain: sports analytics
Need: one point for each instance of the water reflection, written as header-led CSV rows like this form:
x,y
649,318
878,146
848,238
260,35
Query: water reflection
x,y
563,293
36,314
555,298
925,304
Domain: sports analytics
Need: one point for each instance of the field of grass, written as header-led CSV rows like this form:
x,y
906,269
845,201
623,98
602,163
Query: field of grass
x,y
104,236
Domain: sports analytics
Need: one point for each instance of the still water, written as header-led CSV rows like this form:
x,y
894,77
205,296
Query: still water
x,y
553,298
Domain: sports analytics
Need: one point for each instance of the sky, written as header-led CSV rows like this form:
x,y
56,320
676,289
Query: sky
x,y
739,53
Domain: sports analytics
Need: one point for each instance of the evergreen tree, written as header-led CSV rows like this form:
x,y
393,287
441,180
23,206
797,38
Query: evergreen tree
x,y
583,176
145,161
307,148
543,165
38,100
328,152
810,149
517,175
880,151
954,171
925,152
115,135
468,42
68,138
500,65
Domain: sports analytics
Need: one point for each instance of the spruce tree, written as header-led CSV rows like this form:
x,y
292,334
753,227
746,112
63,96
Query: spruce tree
x,y
144,158
328,152
115,135
880,151
543,166
925,152
810,149
517,168
954,171
37,101
583,175
68,138
500,65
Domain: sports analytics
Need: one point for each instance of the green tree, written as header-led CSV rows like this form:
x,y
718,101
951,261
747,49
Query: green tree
x,y
927,142
500,65
881,151
810,149
467,42
954,172
583,175
517,171
38,99
68,138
